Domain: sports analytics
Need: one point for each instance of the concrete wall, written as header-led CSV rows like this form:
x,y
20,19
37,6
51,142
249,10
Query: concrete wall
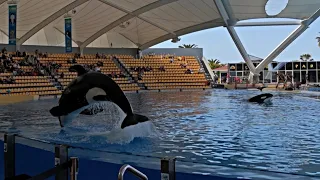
x,y
198,52
31,48
9,48
127,51
59,49
49,49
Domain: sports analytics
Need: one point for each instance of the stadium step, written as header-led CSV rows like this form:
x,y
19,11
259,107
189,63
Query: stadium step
x,y
119,64
141,85
124,70
206,71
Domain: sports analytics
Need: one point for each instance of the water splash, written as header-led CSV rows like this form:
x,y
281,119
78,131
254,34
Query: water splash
x,y
106,122
126,135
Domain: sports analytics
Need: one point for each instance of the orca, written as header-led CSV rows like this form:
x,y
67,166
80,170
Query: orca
x,y
261,88
89,88
79,69
261,98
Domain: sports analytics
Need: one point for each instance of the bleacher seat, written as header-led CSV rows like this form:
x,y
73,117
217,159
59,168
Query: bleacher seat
x,y
108,67
174,76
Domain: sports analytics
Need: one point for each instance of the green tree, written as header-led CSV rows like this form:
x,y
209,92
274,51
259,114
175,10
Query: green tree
x,y
306,57
214,63
188,46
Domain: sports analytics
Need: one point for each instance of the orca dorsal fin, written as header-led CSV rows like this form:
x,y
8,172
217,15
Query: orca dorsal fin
x,y
79,69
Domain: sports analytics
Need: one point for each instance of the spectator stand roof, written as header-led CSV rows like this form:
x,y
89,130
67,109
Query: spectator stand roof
x,y
132,23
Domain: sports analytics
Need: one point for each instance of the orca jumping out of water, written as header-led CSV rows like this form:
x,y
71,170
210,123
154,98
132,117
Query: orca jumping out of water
x,y
89,88
261,98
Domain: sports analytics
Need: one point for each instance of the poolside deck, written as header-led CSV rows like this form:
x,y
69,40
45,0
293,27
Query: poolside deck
x,y
4,100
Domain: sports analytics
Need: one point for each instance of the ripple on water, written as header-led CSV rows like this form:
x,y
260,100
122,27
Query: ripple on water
x,y
211,127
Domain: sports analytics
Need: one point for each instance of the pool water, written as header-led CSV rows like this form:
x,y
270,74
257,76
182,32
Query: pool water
x,y
209,127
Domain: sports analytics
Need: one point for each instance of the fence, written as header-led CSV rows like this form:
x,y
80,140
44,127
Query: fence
x,y
65,167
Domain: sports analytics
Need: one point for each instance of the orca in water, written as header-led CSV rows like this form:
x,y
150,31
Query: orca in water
x,y
261,98
89,88
261,88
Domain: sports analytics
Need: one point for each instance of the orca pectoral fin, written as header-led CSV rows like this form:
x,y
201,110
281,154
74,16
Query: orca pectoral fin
x,y
100,98
56,111
133,120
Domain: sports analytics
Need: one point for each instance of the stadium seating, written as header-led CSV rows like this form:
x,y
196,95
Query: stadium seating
x,y
173,76
28,85
108,67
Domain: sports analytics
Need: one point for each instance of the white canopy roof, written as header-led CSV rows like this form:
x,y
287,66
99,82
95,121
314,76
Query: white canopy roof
x,y
130,23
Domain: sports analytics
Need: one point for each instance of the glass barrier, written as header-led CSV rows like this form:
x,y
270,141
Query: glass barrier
x,y
153,162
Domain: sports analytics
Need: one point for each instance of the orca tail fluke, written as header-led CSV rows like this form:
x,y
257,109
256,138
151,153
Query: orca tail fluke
x,y
133,119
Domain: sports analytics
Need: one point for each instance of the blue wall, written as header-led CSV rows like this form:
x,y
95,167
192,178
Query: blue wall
x,y
33,161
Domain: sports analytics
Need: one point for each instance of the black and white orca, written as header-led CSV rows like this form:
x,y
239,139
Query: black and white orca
x,y
79,69
266,97
261,88
89,88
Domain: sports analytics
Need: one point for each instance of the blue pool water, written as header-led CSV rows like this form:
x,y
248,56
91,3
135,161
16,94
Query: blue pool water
x,y
209,127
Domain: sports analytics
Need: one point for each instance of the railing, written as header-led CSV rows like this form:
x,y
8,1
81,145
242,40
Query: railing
x,y
168,171
131,169
62,163
207,66
122,67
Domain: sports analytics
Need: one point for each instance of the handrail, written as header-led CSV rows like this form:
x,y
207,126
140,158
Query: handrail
x,y
131,169
207,66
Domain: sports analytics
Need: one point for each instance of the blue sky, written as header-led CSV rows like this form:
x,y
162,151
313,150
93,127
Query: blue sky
x,y
258,41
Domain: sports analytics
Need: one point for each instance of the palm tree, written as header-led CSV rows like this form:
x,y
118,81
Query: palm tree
x,y
305,57
214,63
188,46
318,39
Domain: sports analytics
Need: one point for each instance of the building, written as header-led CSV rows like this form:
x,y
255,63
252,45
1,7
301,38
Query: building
x,y
222,73
300,71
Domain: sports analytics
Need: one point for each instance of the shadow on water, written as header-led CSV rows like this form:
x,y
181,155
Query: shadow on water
x,y
215,126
